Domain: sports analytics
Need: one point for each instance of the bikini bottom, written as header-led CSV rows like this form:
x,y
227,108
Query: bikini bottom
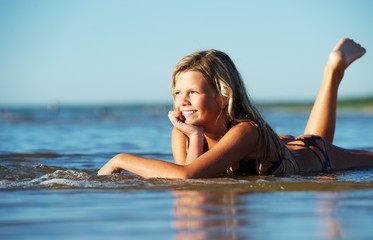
x,y
317,146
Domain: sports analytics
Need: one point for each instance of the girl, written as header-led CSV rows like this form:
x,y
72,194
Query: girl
x,y
217,130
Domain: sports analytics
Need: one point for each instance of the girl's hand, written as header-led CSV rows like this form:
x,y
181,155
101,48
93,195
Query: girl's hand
x,y
178,120
110,167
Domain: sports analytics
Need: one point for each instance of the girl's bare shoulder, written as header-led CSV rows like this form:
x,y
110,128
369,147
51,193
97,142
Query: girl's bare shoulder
x,y
247,129
246,126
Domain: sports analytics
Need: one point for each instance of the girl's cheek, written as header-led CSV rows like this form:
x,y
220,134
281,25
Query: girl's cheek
x,y
175,103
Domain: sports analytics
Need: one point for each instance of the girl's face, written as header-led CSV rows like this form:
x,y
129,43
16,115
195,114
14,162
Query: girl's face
x,y
198,102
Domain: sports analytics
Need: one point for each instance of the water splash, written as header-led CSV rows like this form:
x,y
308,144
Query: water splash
x,y
87,179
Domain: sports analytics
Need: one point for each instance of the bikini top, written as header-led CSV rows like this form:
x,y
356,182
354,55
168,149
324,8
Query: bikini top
x,y
250,167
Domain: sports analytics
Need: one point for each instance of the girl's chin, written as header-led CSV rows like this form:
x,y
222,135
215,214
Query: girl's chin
x,y
190,121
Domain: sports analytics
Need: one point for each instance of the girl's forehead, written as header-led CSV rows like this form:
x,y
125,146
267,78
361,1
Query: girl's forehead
x,y
190,77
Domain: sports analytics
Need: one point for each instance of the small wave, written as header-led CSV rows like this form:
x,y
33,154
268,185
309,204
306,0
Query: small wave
x,y
45,177
70,178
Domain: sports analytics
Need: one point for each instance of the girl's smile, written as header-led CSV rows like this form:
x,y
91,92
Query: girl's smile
x,y
187,114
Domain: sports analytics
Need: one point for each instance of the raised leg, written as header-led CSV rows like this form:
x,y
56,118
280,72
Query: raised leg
x,y
322,119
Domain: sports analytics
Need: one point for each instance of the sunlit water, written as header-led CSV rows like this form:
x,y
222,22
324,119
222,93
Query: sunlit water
x,y
49,188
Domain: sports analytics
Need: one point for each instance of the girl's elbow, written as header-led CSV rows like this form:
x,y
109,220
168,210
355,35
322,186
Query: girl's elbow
x,y
192,171
188,173
183,174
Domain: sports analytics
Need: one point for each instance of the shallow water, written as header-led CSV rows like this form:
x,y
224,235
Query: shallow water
x,y
49,188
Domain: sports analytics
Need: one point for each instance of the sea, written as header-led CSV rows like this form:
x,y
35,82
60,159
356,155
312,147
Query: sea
x,y
49,189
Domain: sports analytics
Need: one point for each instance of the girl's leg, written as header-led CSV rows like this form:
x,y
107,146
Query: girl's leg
x,y
325,156
322,119
344,159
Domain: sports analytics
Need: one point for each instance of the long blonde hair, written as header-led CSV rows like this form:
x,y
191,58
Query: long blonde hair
x,y
220,71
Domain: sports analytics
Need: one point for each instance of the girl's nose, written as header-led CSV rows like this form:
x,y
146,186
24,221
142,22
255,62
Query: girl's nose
x,y
184,100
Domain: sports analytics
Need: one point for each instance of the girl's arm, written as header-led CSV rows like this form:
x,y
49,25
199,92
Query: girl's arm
x,y
179,144
187,140
238,143
145,167
185,150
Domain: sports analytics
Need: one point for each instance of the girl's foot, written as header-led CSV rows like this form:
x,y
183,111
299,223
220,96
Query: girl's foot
x,y
344,53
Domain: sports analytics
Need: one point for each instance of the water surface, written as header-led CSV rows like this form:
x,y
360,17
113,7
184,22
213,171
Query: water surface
x,y
49,188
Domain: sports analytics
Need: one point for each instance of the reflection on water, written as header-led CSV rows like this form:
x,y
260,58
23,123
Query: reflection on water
x,y
159,209
240,215
208,215
329,225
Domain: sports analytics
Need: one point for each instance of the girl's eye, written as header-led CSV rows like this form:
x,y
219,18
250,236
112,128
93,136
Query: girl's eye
x,y
194,92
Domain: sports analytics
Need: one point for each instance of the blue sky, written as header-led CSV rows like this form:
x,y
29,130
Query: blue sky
x,y
103,52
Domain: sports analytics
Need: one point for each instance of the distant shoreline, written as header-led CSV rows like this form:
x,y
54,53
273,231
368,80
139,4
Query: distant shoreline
x,y
348,104
363,104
